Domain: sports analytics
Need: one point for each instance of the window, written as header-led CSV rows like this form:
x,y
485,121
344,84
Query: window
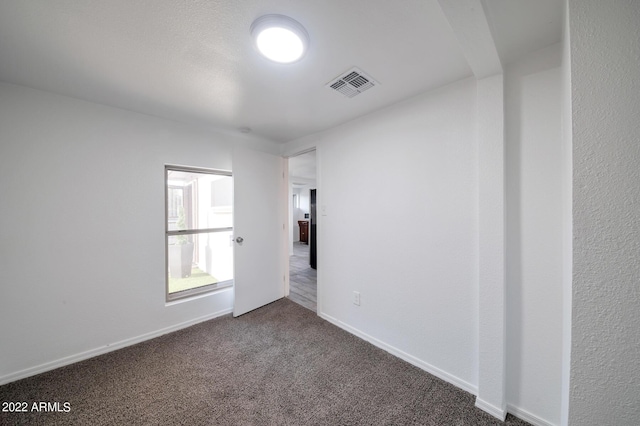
x,y
199,230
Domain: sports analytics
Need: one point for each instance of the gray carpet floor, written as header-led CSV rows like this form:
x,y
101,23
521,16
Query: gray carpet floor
x,y
277,365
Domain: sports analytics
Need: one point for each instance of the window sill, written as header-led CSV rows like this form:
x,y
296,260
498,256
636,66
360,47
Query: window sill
x,y
197,293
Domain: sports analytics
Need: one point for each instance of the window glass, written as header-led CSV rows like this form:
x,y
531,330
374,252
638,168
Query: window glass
x,y
199,231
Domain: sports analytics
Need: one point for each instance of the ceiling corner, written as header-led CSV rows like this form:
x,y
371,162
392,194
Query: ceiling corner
x,y
471,27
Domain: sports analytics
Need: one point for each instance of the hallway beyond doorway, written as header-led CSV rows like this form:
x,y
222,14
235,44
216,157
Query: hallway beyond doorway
x,y
302,279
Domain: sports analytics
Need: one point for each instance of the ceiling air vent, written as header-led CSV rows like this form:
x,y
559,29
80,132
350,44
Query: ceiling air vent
x,y
352,83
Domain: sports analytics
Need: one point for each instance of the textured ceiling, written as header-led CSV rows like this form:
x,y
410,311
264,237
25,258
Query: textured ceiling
x,y
194,61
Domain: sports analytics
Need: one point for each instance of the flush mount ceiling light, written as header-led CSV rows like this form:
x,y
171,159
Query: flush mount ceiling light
x,y
280,38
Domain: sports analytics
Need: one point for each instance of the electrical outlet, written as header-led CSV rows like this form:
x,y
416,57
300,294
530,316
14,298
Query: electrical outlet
x,y
356,298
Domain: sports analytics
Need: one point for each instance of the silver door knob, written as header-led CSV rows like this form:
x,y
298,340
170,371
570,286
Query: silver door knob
x,y
239,240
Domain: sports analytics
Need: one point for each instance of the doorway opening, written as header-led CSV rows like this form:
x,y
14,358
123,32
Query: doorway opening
x,y
303,282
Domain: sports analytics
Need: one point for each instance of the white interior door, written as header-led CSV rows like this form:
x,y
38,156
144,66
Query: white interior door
x,y
260,244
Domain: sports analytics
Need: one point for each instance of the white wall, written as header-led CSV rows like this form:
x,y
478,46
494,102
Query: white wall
x,y
605,352
400,191
297,213
567,217
296,216
491,246
82,229
418,276
305,201
303,207
534,234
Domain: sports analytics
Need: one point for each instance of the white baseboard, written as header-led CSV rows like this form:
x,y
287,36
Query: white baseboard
x,y
499,413
32,371
405,356
491,409
527,416
482,405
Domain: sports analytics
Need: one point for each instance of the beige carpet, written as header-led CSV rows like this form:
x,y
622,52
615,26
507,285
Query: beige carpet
x,y
278,365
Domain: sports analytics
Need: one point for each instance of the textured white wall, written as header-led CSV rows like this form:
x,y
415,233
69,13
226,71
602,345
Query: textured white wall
x,y
605,76
534,235
82,230
400,191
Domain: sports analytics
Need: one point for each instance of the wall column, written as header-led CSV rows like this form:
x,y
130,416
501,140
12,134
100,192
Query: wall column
x,y
491,240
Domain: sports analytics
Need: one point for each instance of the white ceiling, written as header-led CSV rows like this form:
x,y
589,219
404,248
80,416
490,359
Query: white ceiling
x,y
194,62
523,26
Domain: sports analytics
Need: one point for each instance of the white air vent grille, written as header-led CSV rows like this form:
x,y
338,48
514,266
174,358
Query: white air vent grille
x,y
352,83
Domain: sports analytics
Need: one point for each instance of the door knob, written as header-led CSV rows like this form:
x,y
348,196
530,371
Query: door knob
x,y
239,240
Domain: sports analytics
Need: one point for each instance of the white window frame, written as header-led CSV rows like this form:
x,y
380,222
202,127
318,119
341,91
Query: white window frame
x,y
203,289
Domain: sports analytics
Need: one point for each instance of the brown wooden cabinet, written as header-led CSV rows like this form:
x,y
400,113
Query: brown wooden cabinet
x,y
304,231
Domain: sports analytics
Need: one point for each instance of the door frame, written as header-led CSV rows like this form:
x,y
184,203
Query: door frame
x,y
319,220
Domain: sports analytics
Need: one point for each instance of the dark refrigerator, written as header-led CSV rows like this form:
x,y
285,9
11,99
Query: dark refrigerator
x,y
312,231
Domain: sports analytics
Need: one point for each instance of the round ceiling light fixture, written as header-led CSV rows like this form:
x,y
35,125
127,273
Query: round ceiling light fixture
x,y
280,38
